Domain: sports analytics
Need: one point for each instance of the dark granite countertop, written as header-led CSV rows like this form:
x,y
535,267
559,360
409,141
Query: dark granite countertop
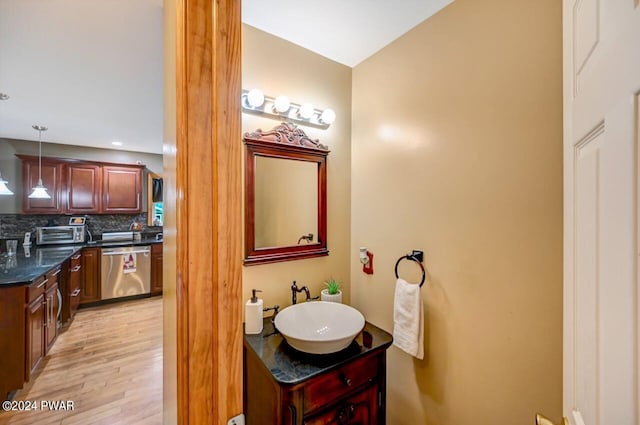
x,y
29,264
290,366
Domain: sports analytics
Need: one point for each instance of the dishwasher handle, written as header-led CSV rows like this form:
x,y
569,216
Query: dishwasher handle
x,y
112,253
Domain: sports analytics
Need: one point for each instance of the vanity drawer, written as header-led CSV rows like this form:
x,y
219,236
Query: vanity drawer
x,y
339,382
361,408
36,288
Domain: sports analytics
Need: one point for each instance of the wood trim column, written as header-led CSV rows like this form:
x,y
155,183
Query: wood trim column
x,y
209,283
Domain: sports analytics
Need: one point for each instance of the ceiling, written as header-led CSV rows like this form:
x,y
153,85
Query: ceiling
x,y
346,31
93,75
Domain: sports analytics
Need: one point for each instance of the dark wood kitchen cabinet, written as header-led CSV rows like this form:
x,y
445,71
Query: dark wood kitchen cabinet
x,y
52,307
12,338
82,187
35,325
121,189
345,388
70,286
156,269
84,182
90,285
51,179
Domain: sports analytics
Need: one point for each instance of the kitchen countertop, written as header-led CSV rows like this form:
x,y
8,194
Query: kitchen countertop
x,y
28,265
289,366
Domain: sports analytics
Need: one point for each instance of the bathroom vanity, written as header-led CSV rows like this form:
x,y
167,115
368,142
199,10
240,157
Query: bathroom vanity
x,y
287,387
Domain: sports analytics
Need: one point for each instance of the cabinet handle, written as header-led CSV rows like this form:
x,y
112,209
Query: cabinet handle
x,y
56,273
75,269
346,380
76,292
346,414
75,257
44,282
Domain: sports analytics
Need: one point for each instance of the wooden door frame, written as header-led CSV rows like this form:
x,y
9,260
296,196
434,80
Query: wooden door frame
x,y
208,211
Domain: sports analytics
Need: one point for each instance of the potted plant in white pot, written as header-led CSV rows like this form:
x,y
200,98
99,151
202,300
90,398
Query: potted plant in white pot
x,y
332,292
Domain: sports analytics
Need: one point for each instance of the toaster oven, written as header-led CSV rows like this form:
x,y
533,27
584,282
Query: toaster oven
x,y
60,235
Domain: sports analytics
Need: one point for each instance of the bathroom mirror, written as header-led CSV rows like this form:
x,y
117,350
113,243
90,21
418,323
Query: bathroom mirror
x,y
155,212
285,196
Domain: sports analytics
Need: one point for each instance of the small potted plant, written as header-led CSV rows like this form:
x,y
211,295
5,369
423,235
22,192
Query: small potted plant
x,y
332,292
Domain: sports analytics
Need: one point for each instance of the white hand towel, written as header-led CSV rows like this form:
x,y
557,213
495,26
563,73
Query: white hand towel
x,y
408,319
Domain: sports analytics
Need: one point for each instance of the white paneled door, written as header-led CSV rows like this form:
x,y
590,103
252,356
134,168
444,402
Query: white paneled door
x,y
601,119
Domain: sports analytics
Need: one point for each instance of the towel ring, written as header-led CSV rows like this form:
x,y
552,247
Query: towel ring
x,y
416,256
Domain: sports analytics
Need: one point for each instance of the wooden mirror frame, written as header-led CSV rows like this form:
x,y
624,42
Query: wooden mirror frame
x,y
285,141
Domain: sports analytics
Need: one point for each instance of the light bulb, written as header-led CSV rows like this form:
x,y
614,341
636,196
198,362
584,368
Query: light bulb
x,y
282,104
328,116
306,111
255,98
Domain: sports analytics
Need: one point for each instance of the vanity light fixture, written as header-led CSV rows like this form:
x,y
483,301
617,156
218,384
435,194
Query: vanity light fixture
x,y
281,108
4,190
282,104
39,191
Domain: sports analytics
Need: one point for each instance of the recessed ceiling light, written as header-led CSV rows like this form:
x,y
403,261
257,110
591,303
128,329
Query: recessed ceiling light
x,y
117,143
4,96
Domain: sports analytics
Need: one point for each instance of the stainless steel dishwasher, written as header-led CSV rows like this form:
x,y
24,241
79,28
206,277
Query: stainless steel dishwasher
x,y
126,271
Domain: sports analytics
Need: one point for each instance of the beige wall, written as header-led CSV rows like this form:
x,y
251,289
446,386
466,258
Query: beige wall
x,y
279,67
457,151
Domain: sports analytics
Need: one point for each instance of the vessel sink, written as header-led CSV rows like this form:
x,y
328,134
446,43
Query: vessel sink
x,y
319,327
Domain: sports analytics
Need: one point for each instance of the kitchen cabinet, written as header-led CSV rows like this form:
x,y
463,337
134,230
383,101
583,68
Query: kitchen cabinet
x,y
284,386
121,190
156,269
52,306
82,187
12,338
51,179
90,285
75,283
84,183
35,321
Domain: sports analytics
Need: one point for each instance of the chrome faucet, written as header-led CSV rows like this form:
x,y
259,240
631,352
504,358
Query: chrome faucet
x,y
295,290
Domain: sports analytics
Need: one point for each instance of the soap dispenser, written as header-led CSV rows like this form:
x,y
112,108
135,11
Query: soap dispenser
x,y
253,314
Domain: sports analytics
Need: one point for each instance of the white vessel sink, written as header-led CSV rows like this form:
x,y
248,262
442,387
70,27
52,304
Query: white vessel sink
x,y
319,327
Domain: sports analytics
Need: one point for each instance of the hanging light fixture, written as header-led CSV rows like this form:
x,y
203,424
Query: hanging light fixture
x,y
39,191
4,190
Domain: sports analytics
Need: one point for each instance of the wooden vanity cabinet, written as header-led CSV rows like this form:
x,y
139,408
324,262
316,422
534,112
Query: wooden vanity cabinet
x,y
347,388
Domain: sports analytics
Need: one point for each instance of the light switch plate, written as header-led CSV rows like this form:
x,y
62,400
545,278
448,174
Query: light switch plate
x,y
237,420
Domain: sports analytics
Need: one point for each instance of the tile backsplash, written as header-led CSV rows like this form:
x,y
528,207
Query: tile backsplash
x,y
13,226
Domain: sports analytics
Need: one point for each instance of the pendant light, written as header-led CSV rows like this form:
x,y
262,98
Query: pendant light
x,y
39,192
4,190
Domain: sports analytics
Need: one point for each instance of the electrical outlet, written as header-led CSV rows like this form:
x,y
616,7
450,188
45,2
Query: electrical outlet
x,y
237,420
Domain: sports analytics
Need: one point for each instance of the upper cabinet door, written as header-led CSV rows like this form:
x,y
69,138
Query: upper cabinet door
x,y
84,187
51,179
121,189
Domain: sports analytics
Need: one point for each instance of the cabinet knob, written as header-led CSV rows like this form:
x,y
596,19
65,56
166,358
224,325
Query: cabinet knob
x,y
346,380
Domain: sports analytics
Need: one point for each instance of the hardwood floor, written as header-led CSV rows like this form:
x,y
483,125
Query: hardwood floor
x,y
108,362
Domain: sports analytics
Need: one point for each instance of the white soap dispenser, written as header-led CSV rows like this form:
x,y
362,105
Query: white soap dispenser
x,y
253,314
